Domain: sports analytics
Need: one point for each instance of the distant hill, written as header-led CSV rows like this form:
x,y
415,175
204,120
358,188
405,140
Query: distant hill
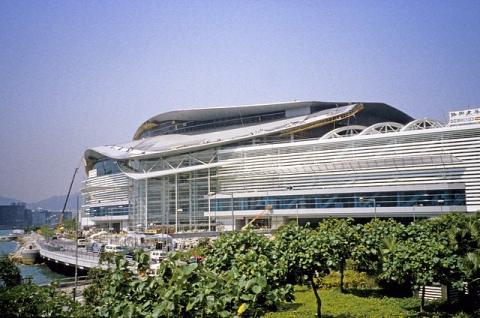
x,y
7,201
55,203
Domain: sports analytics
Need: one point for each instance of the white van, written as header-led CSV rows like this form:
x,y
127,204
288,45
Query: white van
x,y
81,243
113,248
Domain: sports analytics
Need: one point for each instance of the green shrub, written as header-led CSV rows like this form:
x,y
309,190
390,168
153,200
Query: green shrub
x,y
9,273
35,301
249,265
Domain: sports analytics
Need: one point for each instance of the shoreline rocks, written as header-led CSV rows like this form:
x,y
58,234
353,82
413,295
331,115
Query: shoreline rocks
x,y
28,252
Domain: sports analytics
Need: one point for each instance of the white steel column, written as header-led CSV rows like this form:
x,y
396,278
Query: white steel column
x,y
209,208
233,213
146,203
176,202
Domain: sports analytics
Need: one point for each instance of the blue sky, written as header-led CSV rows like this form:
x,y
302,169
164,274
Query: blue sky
x,y
76,74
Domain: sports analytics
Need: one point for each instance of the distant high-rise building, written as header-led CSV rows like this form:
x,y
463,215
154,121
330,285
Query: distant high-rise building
x,y
15,216
51,218
39,217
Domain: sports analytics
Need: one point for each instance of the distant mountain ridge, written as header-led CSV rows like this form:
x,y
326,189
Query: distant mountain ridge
x,y
53,203
56,202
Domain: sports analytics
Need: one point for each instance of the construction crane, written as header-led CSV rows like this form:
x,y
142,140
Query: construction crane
x,y
59,228
268,210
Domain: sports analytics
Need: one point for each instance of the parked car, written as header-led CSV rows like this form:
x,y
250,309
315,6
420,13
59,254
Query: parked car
x,y
113,248
95,247
98,247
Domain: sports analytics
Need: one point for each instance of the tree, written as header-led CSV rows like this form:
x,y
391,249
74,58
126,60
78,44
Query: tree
x,y
224,251
248,262
46,232
305,256
339,236
465,239
367,253
70,227
422,258
9,273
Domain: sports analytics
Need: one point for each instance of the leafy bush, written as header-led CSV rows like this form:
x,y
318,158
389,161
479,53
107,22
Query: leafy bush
x,y
250,287
34,301
9,273
179,290
225,250
252,270
367,253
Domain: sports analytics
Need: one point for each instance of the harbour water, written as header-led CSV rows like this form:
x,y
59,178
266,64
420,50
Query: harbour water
x,y
40,274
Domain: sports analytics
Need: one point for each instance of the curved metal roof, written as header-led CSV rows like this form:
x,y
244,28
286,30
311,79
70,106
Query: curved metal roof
x,y
322,113
211,113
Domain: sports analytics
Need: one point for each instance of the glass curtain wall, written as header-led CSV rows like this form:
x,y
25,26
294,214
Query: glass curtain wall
x,y
176,202
448,197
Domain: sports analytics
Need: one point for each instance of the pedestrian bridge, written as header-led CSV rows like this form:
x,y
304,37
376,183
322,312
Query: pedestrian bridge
x,y
66,255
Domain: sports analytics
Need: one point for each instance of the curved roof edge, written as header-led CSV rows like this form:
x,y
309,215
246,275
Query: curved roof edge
x,y
177,143
201,114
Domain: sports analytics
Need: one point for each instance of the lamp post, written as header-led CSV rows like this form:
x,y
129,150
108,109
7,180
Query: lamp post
x,y
139,226
374,204
296,206
416,205
289,188
441,203
210,194
176,219
233,212
76,253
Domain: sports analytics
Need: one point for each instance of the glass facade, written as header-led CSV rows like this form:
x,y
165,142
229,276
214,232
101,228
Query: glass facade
x,y
107,210
171,200
179,127
345,200
105,167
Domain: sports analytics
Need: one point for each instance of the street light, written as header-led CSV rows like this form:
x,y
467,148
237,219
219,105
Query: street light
x,y
414,206
176,219
233,213
210,194
296,205
441,203
76,252
374,204
289,188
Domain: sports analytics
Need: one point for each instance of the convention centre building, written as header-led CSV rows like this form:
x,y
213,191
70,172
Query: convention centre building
x,y
223,168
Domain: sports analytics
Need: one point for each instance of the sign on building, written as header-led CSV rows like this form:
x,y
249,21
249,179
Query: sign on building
x,y
462,117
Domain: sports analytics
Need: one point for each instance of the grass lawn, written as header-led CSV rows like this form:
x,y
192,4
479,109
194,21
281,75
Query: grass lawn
x,y
336,304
